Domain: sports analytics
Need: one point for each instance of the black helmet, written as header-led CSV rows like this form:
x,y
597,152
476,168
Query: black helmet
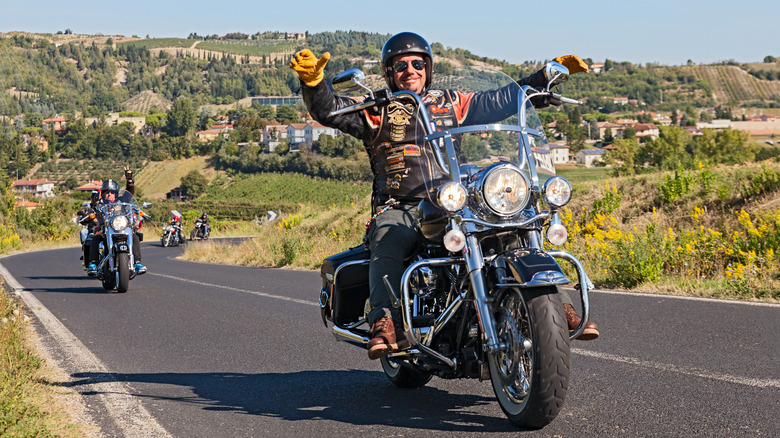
x,y
109,185
95,195
406,42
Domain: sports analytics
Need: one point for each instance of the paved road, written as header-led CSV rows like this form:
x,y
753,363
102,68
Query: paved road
x,y
198,350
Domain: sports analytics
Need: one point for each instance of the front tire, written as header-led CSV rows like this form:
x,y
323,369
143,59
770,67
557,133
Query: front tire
x,y
165,239
123,265
531,376
403,375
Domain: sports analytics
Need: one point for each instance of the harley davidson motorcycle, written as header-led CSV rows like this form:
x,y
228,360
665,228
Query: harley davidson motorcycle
x,y
172,235
481,298
119,221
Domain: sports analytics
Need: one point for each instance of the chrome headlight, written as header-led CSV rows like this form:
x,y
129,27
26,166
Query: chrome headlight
x,y
557,192
119,223
505,190
452,196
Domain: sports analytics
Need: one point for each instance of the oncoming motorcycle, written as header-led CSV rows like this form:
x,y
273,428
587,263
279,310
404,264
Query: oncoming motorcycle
x,y
481,296
172,235
119,220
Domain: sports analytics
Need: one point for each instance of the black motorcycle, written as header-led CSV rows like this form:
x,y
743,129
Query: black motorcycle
x,y
480,298
201,230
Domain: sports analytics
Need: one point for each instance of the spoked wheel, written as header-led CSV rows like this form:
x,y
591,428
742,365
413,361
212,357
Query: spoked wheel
x,y
404,376
530,376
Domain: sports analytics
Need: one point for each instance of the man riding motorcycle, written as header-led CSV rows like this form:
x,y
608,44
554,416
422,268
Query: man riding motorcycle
x,y
389,135
108,194
202,221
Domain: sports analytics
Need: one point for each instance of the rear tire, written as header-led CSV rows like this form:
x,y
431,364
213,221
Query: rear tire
x,y
403,375
85,250
123,265
530,380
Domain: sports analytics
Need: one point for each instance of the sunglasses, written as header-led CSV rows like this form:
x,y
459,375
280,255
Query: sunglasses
x,y
417,64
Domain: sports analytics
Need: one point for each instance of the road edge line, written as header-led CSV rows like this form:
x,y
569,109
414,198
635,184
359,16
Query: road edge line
x,y
126,411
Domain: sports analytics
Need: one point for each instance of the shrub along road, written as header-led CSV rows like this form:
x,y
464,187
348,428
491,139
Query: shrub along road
x,y
204,350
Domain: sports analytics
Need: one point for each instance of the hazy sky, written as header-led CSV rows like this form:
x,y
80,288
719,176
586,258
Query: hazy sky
x,y
662,31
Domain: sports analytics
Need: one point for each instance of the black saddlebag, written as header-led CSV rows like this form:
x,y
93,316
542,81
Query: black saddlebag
x,y
351,291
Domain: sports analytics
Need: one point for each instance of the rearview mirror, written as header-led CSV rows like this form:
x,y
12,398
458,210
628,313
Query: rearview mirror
x,y
350,80
555,73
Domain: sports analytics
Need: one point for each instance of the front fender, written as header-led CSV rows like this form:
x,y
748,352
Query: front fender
x,y
533,268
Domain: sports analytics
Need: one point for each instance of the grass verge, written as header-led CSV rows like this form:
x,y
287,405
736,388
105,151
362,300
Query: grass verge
x,y
33,401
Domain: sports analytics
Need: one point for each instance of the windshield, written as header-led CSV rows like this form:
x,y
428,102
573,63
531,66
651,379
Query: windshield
x,y
486,102
124,204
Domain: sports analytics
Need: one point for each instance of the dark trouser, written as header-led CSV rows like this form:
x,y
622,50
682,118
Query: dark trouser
x,y
393,238
94,249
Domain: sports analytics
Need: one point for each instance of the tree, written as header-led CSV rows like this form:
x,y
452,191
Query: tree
x,y
193,183
286,113
182,117
769,59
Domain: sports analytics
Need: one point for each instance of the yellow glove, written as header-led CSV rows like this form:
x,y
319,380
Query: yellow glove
x,y
573,63
310,69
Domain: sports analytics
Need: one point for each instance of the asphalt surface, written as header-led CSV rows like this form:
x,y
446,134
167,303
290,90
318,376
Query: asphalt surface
x,y
217,351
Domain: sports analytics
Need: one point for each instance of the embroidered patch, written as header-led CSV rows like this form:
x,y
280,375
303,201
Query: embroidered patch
x,y
411,150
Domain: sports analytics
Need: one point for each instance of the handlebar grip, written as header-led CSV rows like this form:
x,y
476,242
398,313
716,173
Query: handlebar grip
x,y
566,99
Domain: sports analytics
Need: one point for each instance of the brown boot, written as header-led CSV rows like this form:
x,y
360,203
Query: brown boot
x,y
591,331
386,338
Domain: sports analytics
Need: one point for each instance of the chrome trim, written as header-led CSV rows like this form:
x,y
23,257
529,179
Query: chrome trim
x,y
346,335
585,286
541,216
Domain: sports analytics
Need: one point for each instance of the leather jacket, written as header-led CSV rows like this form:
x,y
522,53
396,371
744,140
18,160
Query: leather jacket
x,y
391,134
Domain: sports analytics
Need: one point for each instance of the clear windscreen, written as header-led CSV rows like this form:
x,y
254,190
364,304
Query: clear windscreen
x,y
487,104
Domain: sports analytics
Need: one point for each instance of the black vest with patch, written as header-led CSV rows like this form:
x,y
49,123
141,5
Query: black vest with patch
x,y
400,162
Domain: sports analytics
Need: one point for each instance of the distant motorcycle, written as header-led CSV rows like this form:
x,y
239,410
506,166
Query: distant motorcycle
x,y
172,233
201,231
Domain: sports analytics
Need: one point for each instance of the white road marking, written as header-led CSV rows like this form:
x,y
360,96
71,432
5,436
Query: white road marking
x,y
235,289
123,407
758,383
683,297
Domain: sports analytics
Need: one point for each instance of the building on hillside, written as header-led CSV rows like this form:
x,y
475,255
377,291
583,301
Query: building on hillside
x,y
40,188
35,141
177,194
597,67
560,153
620,100
55,123
275,101
714,124
28,205
90,186
647,130
617,130
296,133
589,157
113,119
273,135
313,130
211,134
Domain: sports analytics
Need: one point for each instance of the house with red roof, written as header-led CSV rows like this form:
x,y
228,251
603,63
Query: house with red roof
x,y
40,188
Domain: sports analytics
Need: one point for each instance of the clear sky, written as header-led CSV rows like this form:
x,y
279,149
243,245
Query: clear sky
x,y
664,31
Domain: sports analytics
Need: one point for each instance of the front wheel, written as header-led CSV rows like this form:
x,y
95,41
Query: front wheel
x,y
165,239
404,376
530,377
123,265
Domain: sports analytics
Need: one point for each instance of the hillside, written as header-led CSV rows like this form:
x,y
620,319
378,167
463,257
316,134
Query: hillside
x,y
71,72
159,177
